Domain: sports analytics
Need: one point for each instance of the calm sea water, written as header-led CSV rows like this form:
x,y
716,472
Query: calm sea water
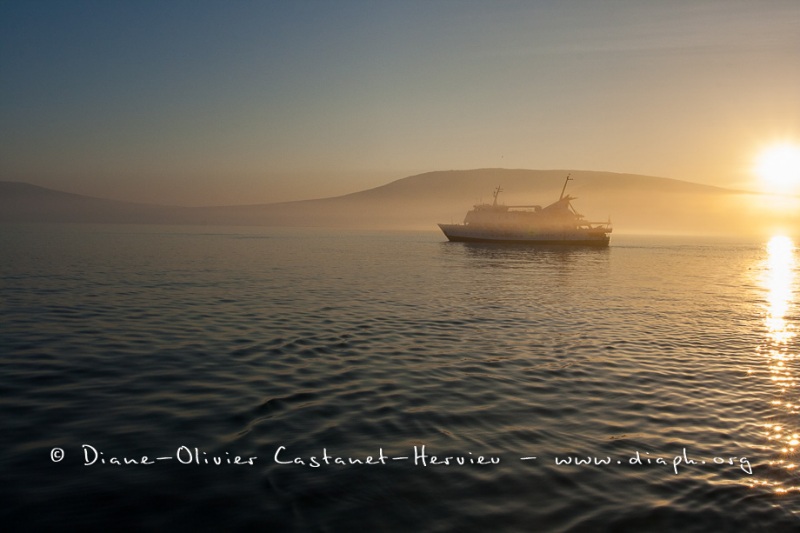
x,y
670,365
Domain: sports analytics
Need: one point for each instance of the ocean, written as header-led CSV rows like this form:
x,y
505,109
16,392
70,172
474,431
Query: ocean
x,y
236,379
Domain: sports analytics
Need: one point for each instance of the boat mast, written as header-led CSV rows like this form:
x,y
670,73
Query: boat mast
x,y
564,188
497,191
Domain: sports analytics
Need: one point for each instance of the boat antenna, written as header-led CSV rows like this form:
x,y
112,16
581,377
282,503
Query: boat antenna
x,y
497,191
564,188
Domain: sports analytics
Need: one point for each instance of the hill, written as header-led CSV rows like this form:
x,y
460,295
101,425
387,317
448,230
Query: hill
x,y
23,202
635,203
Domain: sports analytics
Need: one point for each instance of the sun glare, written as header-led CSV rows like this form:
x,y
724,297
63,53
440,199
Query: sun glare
x,y
778,167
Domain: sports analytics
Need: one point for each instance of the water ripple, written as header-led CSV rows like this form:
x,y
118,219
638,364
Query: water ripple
x,y
238,343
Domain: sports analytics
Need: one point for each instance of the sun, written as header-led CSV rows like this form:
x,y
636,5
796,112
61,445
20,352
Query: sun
x,y
778,167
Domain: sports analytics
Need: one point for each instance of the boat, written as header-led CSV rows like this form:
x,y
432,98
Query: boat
x,y
557,224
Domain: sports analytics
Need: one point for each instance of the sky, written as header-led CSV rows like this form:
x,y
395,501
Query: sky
x,y
242,102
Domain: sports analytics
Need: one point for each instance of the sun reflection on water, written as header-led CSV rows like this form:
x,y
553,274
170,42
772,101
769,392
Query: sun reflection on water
x,y
778,281
779,278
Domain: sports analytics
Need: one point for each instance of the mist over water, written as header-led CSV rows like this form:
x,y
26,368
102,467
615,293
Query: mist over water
x,y
649,386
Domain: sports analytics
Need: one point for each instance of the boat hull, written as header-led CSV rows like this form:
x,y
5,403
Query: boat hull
x,y
577,237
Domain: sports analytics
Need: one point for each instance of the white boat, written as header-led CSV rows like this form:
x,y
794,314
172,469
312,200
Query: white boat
x,y
558,223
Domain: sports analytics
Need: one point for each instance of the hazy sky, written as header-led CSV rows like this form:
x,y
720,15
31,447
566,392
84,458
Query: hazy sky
x,y
202,102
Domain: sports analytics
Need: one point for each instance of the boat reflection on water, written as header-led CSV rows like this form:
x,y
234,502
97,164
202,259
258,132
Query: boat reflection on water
x,y
513,256
781,430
